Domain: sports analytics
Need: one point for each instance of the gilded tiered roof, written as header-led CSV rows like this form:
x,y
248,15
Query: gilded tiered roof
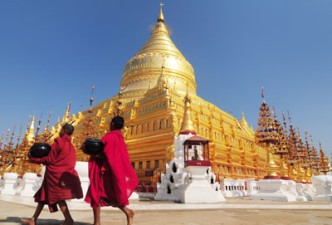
x,y
143,70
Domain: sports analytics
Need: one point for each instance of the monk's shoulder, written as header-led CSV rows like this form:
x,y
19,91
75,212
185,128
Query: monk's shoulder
x,y
108,136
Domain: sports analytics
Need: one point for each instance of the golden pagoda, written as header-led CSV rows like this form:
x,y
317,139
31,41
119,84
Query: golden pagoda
x,y
268,136
151,99
156,84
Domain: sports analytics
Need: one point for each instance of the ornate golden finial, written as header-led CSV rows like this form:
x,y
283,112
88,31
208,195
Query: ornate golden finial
x,y
88,126
91,98
306,140
284,121
10,144
68,107
1,141
66,115
162,81
320,148
187,125
187,99
323,160
312,141
38,125
161,15
47,127
6,139
289,118
28,124
31,129
262,94
243,121
298,132
19,137
274,113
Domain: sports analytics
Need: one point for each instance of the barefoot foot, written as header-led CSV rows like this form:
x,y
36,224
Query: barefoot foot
x,y
130,217
28,221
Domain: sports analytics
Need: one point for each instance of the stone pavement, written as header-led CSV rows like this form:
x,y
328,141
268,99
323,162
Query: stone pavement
x,y
239,211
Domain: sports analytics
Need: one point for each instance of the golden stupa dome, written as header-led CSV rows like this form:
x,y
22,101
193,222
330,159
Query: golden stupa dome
x,y
159,56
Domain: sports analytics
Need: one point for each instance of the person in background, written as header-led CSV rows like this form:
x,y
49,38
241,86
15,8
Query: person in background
x,y
61,181
112,178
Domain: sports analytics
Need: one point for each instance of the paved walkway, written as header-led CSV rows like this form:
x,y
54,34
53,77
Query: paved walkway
x,y
244,211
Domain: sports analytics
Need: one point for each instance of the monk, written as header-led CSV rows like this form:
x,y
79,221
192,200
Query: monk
x,y
61,181
112,178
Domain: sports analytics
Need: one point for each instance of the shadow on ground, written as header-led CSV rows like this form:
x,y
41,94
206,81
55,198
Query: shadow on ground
x,y
40,221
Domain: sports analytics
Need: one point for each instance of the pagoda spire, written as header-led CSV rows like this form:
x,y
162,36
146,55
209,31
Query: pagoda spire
x,y
307,147
314,156
262,94
38,125
277,125
293,140
19,137
10,144
66,116
161,15
267,135
301,156
162,81
187,125
243,121
266,132
47,127
88,123
158,51
30,131
91,98
1,141
282,146
324,162
6,139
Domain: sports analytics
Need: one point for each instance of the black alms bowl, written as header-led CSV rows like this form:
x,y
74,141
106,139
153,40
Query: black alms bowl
x,y
93,146
39,150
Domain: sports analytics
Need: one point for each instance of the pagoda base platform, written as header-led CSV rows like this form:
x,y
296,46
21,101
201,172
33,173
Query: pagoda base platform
x,y
323,187
277,190
322,198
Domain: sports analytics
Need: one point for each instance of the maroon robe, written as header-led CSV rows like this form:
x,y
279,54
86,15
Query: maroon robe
x,y
61,180
112,178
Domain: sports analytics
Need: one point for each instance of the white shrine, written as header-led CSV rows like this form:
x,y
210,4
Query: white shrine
x,y
188,177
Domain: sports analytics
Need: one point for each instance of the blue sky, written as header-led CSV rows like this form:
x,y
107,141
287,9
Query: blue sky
x,y
51,52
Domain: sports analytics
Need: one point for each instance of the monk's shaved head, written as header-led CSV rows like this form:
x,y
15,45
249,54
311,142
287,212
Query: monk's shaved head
x,y
68,129
117,123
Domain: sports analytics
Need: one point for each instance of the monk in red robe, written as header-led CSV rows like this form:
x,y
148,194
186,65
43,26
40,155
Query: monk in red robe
x,y
112,178
61,181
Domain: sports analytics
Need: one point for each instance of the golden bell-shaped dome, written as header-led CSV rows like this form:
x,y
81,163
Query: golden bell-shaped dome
x,y
159,55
